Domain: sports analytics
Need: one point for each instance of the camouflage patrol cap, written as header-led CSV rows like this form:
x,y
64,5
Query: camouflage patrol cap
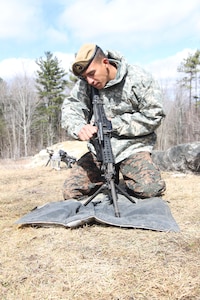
x,y
84,58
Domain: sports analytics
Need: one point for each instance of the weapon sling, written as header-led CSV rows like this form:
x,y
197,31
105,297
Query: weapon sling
x,y
104,153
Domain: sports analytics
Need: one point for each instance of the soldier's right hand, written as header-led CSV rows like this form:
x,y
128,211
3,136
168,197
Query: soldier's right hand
x,y
87,132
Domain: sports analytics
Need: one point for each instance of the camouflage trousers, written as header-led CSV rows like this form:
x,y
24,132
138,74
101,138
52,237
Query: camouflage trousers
x,y
140,175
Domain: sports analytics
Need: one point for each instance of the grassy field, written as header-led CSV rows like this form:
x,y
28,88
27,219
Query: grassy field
x,y
95,262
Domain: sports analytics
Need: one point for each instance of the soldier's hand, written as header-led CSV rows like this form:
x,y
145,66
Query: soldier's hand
x,y
87,132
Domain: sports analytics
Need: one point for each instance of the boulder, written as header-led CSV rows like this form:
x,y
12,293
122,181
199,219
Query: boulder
x,y
183,158
73,148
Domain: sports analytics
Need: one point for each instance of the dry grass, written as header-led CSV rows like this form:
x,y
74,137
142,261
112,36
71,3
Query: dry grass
x,y
95,262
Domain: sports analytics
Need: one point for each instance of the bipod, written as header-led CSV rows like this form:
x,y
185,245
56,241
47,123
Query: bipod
x,y
111,188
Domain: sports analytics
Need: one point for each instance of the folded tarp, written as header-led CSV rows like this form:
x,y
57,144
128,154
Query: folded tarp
x,y
151,213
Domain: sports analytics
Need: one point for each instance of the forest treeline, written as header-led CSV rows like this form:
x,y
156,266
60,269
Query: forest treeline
x,y
30,108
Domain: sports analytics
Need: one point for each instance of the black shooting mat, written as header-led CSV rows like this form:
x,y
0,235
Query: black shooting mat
x,y
152,213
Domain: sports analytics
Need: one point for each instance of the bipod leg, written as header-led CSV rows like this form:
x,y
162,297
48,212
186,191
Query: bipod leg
x,y
95,194
114,198
47,162
124,193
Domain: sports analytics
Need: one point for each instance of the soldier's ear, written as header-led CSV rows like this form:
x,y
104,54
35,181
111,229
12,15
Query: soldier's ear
x,y
105,61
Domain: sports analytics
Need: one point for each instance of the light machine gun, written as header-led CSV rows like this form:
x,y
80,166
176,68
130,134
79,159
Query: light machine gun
x,y
102,144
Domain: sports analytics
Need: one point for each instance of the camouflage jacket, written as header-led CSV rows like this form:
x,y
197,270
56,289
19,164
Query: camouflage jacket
x,y
132,101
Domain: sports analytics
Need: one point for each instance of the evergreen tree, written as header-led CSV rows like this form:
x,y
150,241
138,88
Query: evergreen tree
x,y
191,114
191,67
51,85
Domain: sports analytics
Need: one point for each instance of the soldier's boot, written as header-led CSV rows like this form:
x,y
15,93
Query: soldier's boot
x,y
142,177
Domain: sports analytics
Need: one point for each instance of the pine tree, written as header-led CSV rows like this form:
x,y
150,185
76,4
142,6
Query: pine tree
x,y
190,66
51,84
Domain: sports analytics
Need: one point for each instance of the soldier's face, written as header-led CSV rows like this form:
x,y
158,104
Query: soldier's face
x,y
97,74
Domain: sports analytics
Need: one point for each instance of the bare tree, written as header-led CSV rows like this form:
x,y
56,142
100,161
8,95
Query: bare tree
x,y
4,133
25,101
18,102
182,123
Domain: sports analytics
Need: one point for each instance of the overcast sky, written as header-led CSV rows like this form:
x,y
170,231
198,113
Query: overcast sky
x,y
156,34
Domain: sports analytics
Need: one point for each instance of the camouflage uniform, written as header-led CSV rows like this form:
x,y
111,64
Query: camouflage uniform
x,y
132,101
141,176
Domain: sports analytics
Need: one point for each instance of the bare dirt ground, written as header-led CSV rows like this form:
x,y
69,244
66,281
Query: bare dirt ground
x,y
95,262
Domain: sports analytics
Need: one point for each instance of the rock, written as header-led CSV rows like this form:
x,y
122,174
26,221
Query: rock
x,y
73,148
183,157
